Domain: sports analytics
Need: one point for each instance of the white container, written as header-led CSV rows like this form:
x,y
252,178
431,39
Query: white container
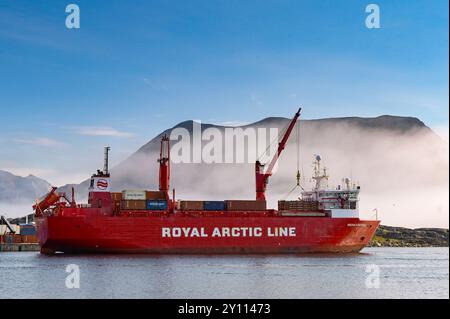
x,y
4,229
344,213
131,194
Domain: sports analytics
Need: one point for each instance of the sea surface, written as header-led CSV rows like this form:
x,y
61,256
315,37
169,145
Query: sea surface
x,y
374,273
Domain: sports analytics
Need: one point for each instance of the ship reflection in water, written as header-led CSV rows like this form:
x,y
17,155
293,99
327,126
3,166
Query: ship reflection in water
x,y
397,272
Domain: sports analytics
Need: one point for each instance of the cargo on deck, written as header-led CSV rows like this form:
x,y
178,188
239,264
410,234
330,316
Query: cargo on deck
x,y
156,205
246,205
133,204
191,205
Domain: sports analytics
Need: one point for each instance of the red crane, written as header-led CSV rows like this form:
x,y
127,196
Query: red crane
x,y
263,178
164,166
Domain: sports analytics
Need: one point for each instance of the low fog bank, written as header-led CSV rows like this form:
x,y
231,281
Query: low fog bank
x,y
403,173
12,210
400,164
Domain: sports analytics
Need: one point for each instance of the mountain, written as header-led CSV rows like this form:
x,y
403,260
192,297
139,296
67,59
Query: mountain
x,y
17,189
400,164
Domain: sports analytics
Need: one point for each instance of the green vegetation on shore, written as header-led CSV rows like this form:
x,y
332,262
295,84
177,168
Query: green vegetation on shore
x,y
387,236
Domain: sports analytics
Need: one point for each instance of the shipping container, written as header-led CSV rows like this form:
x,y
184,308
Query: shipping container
x,y
214,205
116,197
133,204
155,195
157,205
131,194
246,205
298,205
4,229
303,214
191,205
7,239
29,239
17,238
27,230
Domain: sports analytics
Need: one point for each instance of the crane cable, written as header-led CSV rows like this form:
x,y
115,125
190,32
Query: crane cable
x,y
266,152
298,153
275,140
298,176
290,192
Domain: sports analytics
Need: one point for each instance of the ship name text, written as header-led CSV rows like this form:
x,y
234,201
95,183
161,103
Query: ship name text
x,y
178,232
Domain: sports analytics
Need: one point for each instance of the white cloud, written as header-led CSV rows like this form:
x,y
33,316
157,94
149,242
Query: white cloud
x,y
25,171
101,131
40,141
56,177
233,123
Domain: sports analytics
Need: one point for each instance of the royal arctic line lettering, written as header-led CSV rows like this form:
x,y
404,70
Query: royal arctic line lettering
x,y
178,232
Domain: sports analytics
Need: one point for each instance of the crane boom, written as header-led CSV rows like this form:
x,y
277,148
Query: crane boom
x,y
164,166
263,178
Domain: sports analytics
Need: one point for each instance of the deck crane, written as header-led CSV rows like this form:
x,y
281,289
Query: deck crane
x,y
164,166
262,178
8,225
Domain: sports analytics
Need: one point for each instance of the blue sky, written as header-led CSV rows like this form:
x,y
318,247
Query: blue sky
x,y
135,68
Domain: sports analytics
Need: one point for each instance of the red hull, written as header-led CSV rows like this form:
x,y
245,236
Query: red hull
x,y
81,230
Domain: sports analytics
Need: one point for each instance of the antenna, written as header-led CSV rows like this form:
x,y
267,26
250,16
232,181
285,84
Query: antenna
x,y
347,183
105,166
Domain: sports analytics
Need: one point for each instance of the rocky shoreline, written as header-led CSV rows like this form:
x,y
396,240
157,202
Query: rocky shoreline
x,y
388,236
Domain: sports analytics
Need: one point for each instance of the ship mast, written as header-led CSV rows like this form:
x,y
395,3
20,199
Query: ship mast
x,y
106,161
263,178
320,175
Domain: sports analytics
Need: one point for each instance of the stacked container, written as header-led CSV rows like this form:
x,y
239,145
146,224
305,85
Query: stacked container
x,y
133,205
214,205
133,195
143,200
27,229
297,205
190,205
246,205
155,195
156,205
156,200
133,199
116,198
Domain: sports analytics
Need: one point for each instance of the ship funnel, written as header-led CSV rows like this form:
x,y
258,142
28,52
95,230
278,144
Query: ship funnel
x,y
106,160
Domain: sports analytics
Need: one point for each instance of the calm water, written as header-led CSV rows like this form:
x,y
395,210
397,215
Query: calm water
x,y
402,273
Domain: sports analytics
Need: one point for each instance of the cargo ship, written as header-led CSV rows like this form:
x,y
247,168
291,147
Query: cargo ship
x,y
321,220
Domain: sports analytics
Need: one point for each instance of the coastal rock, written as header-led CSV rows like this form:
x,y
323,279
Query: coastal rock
x,y
388,236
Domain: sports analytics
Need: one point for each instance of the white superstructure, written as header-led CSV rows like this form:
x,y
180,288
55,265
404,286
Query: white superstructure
x,y
341,202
